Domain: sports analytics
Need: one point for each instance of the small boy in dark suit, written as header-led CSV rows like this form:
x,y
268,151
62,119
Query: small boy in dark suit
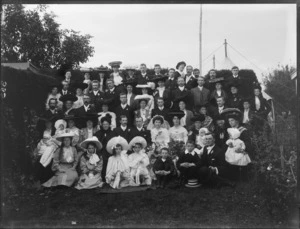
x,y
163,168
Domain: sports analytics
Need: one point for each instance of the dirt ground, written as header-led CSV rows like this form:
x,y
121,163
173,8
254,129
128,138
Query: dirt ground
x,y
181,207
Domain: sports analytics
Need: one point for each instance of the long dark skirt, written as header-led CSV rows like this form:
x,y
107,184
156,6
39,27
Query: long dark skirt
x,y
42,173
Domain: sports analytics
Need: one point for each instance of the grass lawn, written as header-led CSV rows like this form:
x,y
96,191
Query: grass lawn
x,y
182,207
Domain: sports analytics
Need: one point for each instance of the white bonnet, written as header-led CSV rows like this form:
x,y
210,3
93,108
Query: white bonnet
x,y
234,132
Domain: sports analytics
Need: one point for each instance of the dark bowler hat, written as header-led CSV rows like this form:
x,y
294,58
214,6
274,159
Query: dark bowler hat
x,y
198,118
68,97
82,86
176,113
232,113
132,82
115,64
89,117
101,69
180,63
257,86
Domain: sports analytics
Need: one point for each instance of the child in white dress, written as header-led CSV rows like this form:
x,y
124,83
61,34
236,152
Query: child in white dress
x,y
235,154
60,126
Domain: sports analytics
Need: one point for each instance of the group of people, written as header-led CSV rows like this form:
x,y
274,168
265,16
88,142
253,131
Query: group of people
x,y
139,129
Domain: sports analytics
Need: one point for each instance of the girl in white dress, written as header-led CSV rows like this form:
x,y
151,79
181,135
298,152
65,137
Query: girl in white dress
x,y
138,161
118,171
160,136
235,154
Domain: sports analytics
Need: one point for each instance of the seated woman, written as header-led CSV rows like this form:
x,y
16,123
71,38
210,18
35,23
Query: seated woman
x,y
200,139
143,111
163,168
218,89
71,128
79,87
138,161
91,122
65,160
146,94
43,154
159,135
105,111
194,132
54,94
185,121
208,121
118,171
90,165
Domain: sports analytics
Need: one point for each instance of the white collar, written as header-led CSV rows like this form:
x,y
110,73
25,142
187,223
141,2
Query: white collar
x,y
181,88
221,108
161,108
163,159
209,148
235,76
139,129
143,74
123,105
111,90
201,87
123,128
161,88
190,76
187,152
95,92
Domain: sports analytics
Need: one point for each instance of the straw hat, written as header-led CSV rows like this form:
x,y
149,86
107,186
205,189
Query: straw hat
x,y
138,139
93,140
178,113
59,122
192,183
114,141
115,63
64,135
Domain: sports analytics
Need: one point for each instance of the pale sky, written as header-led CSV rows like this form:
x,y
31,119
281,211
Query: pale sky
x,y
166,34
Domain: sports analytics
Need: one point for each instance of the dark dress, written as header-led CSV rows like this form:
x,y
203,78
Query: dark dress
x,y
167,165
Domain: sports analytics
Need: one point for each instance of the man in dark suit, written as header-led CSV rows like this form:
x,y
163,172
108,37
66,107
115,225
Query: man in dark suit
x,y
161,91
221,134
160,109
87,107
247,113
53,112
143,76
124,110
123,130
171,82
65,88
96,95
179,93
111,92
190,80
213,169
139,130
200,95
215,111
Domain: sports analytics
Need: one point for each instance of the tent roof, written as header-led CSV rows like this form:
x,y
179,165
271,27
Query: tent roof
x,y
20,66
227,63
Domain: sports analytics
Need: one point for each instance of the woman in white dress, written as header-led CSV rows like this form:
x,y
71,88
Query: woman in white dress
x,y
177,132
54,95
105,110
159,136
118,171
65,160
90,165
146,94
79,87
71,128
116,75
143,111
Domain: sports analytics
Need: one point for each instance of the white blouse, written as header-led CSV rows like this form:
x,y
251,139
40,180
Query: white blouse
x,y
178,134
117,78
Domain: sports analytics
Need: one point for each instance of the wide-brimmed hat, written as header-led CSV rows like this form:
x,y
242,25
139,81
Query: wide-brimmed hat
x,y
183,98
64,135
68,97
138,139
59,122
82,86
232,113
85,70
107,101
132,82
140,98
93,140
106,118
101,69
158,117
234,83
90,117
198,118
180,63
192,183
143,85
116,141
130,67
73,117
257,86
115,64
216,80
157,78
176,113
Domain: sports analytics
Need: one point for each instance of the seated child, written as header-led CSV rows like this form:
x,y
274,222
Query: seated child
x,y
60,126
189,162
117,171
235,154
138,162
163,168
45,149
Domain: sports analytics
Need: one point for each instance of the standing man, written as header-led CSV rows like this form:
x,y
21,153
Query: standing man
x,y
124,110
157,70
215,111
53,110
123,129
140,130
161,91
102,77
160,109
96,96
87,107
200,94
111,92
190,80
65,88
196,73
171,82
179,93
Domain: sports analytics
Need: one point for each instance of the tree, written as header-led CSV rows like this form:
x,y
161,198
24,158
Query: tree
x,y
280,86
34,35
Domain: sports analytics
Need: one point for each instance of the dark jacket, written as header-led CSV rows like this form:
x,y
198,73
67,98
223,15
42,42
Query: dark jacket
x,y
81,111
164,112
171,84
143,133
192,83
168,165
265,107
166,97
128,112
96,99
177,94
127,134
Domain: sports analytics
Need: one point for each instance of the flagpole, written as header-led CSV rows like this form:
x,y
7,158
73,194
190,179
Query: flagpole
x,y
200,42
